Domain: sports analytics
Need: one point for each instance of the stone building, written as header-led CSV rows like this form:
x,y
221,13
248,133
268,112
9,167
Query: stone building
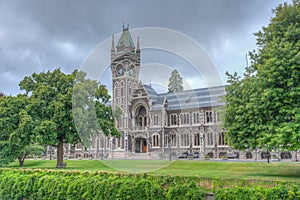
x,y
156,124
164,125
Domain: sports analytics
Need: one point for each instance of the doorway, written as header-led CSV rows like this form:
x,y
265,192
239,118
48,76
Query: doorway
x,y
140,145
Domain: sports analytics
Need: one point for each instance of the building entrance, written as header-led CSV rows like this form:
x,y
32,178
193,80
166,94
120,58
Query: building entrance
x,y
140,145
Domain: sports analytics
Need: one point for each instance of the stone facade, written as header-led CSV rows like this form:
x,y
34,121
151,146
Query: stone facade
x,y
161,126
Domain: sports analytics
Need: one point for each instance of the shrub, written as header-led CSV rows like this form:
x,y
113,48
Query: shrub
x,y
73,185
259,193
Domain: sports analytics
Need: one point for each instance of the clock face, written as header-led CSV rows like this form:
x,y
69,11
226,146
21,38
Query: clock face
x,y
131,71
120,71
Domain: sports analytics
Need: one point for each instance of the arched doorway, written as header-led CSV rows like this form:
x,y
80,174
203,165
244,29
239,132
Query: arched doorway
x,y
140,145
248,155
286,155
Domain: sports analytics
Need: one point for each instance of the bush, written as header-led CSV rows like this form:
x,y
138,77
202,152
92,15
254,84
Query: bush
x,y
72,185
259,193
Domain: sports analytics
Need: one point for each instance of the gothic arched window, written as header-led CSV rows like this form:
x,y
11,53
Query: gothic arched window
x,y
142,117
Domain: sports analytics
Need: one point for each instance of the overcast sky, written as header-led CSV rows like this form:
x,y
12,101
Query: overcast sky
x,y
41,35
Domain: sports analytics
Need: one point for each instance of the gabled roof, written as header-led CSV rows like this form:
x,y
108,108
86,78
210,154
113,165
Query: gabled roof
x,y
188,99
125,42
157,101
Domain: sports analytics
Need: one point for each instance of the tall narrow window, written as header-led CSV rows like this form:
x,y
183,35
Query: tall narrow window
x,y
173,139
155,120
185,139
155,139
197,139
209,117
209,138
222,138
173,119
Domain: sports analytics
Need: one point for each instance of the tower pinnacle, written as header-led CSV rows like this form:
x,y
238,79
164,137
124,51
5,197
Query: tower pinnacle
x,y
138,45
112,43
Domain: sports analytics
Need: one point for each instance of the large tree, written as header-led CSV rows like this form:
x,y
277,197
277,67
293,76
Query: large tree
x,y
175,82
263,107
17,136
51,106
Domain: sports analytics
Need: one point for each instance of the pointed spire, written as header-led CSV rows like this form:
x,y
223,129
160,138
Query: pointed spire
x,y
112,44
138,50
125,42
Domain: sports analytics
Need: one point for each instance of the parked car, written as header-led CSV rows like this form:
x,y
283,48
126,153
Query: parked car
x,y
232,156
190,156
196,154
184,155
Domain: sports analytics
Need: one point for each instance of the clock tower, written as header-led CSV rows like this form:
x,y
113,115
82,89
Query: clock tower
x,y
125,68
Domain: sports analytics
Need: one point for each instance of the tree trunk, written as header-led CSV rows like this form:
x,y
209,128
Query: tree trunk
x,y
21,161
60,155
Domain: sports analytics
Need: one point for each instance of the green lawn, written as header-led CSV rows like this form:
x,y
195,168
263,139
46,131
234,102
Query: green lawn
x,y
249,170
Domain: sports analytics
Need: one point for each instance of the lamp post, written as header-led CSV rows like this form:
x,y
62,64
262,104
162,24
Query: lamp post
x,y
216,150
169,145
97,148
111,147
50,152
268,153
215,146
102,146
126,140
170,149
162,143
202,137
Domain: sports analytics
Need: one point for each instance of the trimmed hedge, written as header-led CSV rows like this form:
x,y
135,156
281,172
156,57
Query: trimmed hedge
x,y
259,193
73,185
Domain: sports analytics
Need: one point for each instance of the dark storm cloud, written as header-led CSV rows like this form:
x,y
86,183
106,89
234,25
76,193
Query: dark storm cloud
x,y
41,35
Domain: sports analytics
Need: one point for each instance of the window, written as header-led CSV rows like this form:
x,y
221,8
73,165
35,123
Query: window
x,y
197,139
166,140
155,120
142,117
173,139
196,118
185,139
79,146
155,139
222,138
173,119
218,117
184,118
209,117
118,142
209,138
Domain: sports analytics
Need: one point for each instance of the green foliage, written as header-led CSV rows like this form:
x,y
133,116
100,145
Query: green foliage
x,y
258,193
41,184
90,110
17,130
175,82
52,109
263,108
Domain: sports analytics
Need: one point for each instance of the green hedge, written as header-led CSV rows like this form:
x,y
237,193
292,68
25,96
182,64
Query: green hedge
x,y
73,185
259,193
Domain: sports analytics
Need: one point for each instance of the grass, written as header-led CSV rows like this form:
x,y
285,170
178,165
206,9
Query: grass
x,y
250,170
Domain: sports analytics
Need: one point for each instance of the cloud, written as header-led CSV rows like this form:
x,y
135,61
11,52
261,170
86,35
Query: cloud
x,y
41,35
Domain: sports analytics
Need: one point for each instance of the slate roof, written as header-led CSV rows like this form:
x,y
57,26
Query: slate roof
x,y
125,41
188,99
